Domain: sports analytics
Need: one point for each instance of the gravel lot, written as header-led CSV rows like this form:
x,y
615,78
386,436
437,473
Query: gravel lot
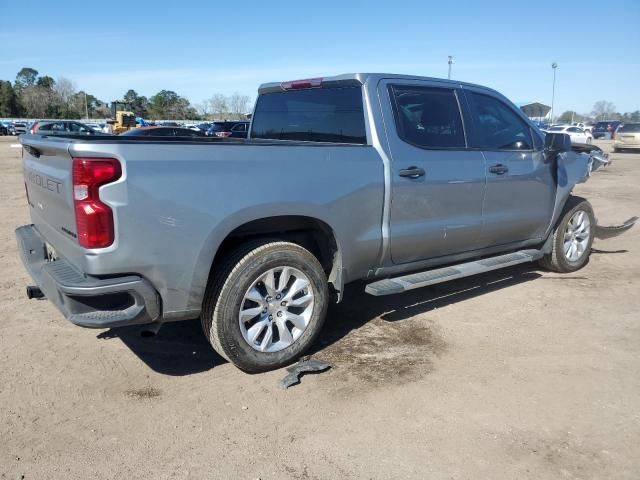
x,y
515,374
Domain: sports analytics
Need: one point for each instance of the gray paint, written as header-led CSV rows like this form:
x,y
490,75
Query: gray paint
x,y
177,201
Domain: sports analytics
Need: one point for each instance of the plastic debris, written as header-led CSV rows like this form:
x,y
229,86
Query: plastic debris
x,y
303,366
608,232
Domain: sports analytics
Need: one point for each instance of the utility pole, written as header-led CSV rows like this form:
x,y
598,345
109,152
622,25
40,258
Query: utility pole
x,y
554,65
450,63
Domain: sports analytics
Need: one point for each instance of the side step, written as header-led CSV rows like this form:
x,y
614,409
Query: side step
x,y
390,286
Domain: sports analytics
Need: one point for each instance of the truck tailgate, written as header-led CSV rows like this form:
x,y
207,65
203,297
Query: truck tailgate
x,y
47,175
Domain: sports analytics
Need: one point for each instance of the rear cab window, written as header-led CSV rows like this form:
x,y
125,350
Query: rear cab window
x,y
333,114
630,128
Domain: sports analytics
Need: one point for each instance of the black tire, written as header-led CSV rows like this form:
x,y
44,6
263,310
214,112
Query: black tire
x,y
225,293
557,261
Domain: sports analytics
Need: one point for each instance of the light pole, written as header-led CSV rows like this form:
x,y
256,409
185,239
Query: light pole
x,y
450,63
554,65
86,107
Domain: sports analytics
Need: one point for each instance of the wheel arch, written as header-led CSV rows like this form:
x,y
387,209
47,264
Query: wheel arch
x,y
310,232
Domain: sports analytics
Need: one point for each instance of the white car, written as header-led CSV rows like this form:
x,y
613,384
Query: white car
x,y
585,126
577,134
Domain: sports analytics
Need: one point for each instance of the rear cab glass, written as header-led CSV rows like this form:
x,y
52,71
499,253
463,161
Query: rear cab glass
x,y
629,128
314,115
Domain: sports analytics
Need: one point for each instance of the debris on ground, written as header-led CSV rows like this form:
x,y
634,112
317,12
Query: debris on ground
x,y
304,365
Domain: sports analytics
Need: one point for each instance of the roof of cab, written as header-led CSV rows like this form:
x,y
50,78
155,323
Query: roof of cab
x,y
356,79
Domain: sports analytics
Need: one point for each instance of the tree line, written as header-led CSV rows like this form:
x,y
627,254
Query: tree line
x,y
602,110
34,96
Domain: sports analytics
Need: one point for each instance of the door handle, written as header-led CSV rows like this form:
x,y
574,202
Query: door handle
x,y
499,169
412,172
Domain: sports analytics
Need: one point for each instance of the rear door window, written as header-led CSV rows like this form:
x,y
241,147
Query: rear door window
x,y
313,115
498,127
428,117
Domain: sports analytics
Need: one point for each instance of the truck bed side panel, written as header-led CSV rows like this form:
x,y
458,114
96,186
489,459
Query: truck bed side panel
x,y
177,202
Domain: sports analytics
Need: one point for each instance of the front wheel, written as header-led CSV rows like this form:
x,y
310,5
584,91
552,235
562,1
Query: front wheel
x,y
588,140
265,305
572,238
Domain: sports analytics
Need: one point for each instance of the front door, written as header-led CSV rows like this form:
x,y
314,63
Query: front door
x,y
520,192
437,181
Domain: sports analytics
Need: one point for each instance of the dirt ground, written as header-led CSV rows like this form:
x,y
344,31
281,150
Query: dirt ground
x,y
517,374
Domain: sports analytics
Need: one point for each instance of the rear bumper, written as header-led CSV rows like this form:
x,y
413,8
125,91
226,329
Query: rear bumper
x,y
623,146
83,299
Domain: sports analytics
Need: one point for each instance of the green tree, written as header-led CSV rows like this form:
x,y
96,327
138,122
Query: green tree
x,y
26,77
46,82
8,100
566,117
139,104
168,105
631,116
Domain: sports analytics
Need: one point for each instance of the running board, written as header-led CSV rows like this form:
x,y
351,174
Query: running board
x,y
389,286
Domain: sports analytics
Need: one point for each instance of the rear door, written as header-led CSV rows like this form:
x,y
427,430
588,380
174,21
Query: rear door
x,y
520,190
437,180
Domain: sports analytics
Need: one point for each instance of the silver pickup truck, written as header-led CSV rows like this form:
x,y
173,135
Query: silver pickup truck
x,y
402,181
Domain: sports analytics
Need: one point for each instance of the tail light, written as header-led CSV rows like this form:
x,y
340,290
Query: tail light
x,y
94,219
34,128
223,134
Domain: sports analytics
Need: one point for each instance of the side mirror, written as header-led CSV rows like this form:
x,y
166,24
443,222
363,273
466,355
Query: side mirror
x,y
555,143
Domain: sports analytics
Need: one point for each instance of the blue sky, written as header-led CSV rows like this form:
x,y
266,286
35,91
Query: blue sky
x,y
199,48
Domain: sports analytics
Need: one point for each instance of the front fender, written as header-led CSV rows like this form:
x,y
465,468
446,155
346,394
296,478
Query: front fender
x,y
575,167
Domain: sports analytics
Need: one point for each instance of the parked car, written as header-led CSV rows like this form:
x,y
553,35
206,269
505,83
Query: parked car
x,y
58,127
257,236
627,137
4,129
100,127
602,129
577,134
235,129
19,128
163,132
203,127
584,126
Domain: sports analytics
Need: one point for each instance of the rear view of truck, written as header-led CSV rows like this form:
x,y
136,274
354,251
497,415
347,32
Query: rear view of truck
x,y
73,219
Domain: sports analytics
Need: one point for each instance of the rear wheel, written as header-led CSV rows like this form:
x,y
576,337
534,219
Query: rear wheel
x,y
265,305
572,238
